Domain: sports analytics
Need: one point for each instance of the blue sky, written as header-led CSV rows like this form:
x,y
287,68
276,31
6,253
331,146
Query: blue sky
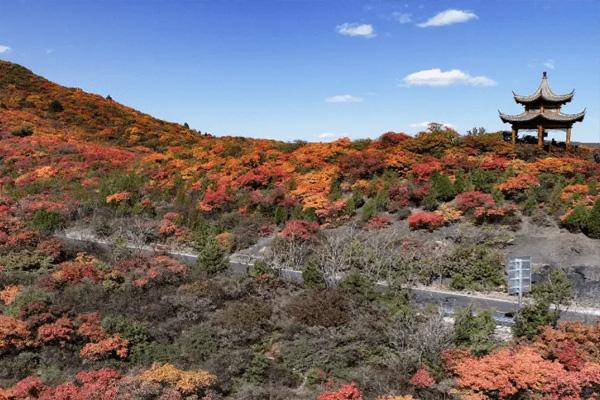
x,y
314,70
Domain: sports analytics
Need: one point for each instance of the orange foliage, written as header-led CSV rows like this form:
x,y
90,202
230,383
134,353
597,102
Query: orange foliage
x,y
9,293
114,345
60,331
518,183
13,333
522,371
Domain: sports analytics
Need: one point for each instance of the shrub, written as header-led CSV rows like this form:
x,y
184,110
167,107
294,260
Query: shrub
x,y
55,107
442,187
13,334
298,229
186,382
46,222
313,277
60,331
593,222
369,210
126,327
548,297
22,132
422,379
211,258
326,307
468,201
198,343
245,316
346,392
475,267
114,345
474,331
425,220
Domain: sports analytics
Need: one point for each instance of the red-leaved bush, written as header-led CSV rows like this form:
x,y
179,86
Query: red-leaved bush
x,y
60,331
378,222
425,220
468,201
114,345
422,379
346,392
298,229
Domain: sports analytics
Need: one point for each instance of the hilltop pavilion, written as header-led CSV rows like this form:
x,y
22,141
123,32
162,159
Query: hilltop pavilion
x,y
542,111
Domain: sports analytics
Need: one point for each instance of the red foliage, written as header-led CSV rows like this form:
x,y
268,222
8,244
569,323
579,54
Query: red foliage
x,y
334,211
60,331
360,165
390,139
299,229
425,220
422,379
346,392
215,199
83,268
523,372
379,222
468,201
90,327
423,171
26,388
102,384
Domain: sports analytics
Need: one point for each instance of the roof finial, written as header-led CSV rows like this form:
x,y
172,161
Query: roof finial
x,y
544,75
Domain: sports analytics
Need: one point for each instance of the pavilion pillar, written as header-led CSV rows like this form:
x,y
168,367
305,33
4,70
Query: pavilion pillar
x,y
540,136
568,141
514,135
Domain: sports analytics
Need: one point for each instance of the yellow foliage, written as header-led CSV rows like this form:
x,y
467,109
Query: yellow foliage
x,y
186,382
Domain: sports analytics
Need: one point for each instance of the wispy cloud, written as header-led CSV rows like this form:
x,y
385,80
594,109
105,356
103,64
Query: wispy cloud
x,y
437,78
344,98
425,125
402,17
356,30
327,135
448,17
549,64
4,49
49,51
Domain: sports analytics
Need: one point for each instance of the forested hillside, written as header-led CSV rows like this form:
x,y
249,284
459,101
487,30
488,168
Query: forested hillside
x,y
118,326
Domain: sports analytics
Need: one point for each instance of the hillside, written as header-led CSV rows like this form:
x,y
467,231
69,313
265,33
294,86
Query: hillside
x,y
436,208
28,100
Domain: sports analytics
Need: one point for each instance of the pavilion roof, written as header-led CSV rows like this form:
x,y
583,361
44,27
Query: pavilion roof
x,y
544,92
552,116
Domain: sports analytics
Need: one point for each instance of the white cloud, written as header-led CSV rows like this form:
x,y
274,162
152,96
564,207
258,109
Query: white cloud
x,y
327,135
549,64
437,78
403,18
4,49
49,51
353,29
448,17
425,125
344,98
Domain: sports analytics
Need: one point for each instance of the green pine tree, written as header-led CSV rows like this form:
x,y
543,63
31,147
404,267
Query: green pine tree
x,y
593,221
211,258
474,331
442,187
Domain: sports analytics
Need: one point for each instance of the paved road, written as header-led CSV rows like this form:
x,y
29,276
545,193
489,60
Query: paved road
x,y
450,302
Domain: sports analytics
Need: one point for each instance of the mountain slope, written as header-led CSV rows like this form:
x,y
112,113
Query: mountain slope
x,y
28,100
